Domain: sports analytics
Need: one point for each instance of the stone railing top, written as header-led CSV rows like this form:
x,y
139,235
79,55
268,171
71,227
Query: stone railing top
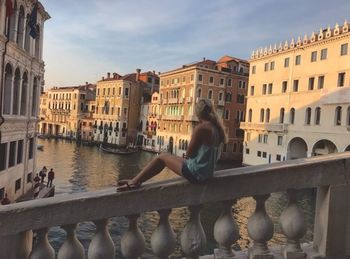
x,y
226,185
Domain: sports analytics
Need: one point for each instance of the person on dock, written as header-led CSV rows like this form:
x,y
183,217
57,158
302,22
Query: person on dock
x,y
42,174
36,186
50,176
5,200
202,153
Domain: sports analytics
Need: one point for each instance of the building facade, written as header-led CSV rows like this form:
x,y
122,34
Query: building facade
x,y
62,110
298,103
118,103
21,77
223,82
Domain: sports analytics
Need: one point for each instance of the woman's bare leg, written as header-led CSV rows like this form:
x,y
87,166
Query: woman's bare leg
x,y
174,163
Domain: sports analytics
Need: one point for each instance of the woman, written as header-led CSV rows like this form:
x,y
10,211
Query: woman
x,y
202,152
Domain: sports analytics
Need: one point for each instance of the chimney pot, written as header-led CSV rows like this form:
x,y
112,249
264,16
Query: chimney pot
x,y
138,71
103,78
204,59
108,75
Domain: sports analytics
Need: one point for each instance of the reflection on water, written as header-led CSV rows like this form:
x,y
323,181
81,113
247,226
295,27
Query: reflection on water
x,y
82,168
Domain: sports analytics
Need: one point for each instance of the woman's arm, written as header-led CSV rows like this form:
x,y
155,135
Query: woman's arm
x,y
196,140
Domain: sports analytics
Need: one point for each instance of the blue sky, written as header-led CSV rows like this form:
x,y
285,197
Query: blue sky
x,y
85,39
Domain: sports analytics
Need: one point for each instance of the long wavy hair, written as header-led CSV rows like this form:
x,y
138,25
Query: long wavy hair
x,y
205,110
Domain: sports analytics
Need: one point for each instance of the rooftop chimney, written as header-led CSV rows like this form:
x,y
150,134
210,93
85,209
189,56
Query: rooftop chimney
x,y
108,75
114,75
86,83
138,71
204,59
103,78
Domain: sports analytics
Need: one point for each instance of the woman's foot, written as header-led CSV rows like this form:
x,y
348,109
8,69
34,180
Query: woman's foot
x,y
127,185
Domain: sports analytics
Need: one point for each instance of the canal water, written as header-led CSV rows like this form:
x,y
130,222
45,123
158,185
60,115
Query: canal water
x,y
81,168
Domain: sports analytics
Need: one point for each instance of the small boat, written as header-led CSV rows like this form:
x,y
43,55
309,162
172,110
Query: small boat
x,y
119,151
40,147
151,150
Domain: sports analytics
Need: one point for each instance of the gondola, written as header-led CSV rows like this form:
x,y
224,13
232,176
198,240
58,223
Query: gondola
x,y
127,151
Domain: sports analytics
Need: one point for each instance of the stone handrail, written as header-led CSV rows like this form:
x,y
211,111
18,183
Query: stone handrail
x,y
256,181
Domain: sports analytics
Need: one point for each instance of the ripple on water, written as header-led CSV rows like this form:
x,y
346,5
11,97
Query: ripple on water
x,y
82,168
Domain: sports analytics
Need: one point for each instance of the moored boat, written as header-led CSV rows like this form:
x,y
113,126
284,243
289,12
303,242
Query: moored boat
x,y
119,151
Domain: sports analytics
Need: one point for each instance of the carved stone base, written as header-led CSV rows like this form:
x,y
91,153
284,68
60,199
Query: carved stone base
x,y
252,255
219,254
294,255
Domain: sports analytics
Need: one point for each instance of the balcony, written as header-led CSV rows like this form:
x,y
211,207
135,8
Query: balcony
x,y
273,127
221,103
173,117
172,100
330,174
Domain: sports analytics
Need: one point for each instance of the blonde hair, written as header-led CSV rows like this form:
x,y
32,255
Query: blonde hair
x,y
205,110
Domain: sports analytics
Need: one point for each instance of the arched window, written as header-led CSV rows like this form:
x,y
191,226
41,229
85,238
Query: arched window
x,y
292,116
317,116
199,92
20,28
348,117
6,108
308,116
210,94
186,144
35,96
16,91
250,115
220,96
338,112
12,25
282,115
267,117
262,115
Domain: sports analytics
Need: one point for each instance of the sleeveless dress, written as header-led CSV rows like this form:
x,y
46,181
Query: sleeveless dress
x,y
202,166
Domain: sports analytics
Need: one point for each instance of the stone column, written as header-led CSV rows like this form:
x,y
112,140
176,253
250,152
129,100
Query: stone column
x,y
332,221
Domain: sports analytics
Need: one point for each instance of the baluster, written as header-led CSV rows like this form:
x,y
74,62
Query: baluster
x,y
42,248
133,242
193,239
293,226
25,244
260,229
71,248
101,246
225,232
163,239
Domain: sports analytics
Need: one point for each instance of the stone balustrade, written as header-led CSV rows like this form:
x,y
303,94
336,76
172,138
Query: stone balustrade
x,y
273,127
330,174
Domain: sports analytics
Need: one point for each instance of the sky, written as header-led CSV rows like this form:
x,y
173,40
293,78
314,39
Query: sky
x,y
85,39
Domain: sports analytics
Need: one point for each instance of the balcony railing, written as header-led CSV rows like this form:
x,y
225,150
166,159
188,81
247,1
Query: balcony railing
x,y
274,127
330,174
173,117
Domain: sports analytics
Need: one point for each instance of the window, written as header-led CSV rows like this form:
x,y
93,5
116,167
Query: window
x,y
253,69
295,85
284,86
227,114
267,117
320,82
341,79
311,83
126,92
292,116
282,115
211,80
260,138
286,62
278,157
338,112
279,140
259,153
210,94
12,154
272,65
29,177
18,184
252,90
31,148
199,93
264,88
308,116
266,68
262,111
323,54
222,81
298,60
317,116
248,136
229,82
20,152
3,156
265,138
314,56
344,49
264,154
247,150
2,193
269,91
347,120
250,114
200,78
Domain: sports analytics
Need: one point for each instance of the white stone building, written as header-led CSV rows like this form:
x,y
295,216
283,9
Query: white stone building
x,y
298,102
21,80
